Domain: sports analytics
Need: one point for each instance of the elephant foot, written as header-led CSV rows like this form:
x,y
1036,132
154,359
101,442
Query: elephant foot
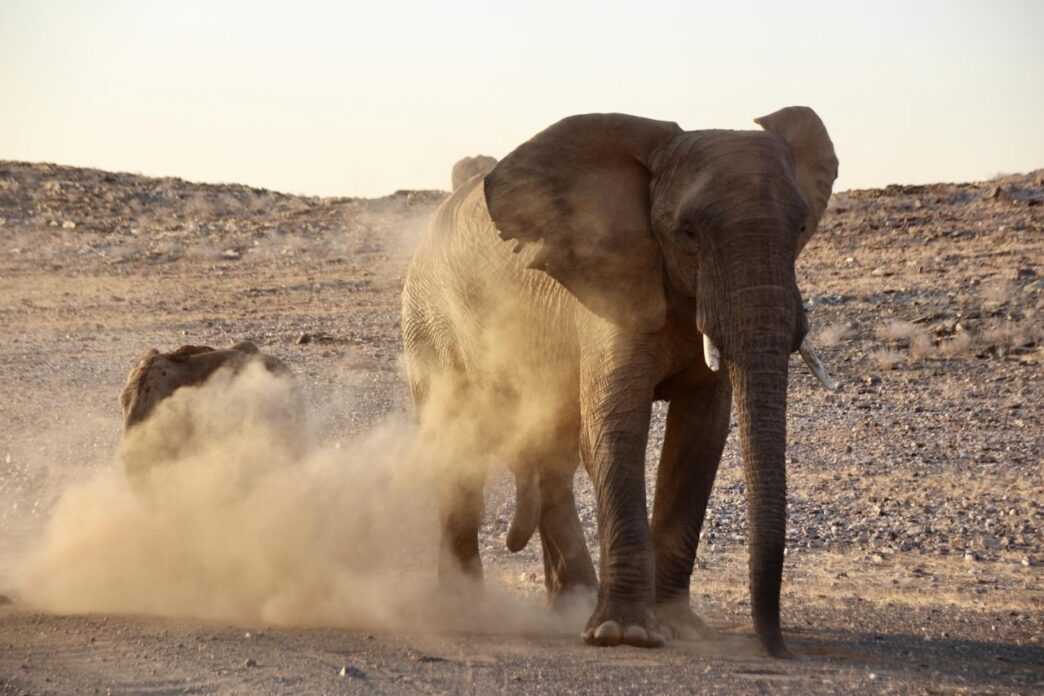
x,y
772,643
637,627
679,621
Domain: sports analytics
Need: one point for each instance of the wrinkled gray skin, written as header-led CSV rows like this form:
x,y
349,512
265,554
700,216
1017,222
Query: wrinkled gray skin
x,y
469,167
633,239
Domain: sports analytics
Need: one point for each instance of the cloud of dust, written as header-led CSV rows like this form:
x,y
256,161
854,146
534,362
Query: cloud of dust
x,y
241,518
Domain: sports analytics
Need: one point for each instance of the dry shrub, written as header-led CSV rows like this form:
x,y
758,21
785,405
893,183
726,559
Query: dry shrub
x,y
833,335
919,342
959,345
921,347
897,330
886,359
1007,334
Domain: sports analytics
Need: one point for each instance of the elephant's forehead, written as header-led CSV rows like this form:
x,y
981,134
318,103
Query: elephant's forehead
x,y
728,152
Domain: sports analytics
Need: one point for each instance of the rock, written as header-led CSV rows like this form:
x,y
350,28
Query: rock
x,y
251,662
304,339
970,557
68,225
230,254
352,672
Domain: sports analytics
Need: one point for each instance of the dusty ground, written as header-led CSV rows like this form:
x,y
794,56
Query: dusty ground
x,y
915,562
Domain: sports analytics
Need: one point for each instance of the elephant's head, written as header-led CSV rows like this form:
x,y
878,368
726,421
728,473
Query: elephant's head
x,y
469,167
643,221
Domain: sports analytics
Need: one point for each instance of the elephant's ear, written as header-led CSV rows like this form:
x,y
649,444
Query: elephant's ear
x,y
580,191
814,158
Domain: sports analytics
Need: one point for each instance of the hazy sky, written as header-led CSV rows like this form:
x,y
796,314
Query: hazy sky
x,y
362,98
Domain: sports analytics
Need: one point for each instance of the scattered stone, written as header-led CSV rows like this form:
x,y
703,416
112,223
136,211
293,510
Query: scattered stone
x,y
251,662
68,225
230,254
352,672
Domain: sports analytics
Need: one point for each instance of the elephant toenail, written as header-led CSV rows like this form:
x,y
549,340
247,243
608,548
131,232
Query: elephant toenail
x,y
636,635
608,632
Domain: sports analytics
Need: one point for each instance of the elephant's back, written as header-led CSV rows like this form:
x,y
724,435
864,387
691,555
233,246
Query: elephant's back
x,y
476,299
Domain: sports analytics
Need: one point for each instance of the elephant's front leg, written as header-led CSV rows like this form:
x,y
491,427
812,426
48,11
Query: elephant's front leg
x,y
616,398
697,426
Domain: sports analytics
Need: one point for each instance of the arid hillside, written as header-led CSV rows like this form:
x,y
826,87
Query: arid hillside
x,y
915,549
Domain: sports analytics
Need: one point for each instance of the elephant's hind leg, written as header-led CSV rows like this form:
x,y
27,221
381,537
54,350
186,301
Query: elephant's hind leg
x,y
697,426
444,408
568,570
460,515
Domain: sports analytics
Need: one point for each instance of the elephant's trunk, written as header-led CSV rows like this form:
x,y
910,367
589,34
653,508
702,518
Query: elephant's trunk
x,y
527,510
758,372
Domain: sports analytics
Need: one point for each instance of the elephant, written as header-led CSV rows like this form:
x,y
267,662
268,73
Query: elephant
x,y
469,167
609,262
156,377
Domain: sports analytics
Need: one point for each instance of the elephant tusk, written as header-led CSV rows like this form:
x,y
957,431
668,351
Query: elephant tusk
x,y
711,355
816,365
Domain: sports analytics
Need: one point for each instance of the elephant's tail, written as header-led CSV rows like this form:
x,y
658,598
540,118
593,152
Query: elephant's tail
x,y
527,510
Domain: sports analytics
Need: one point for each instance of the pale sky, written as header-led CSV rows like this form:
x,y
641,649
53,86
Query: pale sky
x,y
353,98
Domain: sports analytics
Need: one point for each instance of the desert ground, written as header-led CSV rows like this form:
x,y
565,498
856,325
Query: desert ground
x,y
916,491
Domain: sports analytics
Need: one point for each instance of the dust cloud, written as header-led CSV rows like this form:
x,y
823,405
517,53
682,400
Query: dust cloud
x,y
237,513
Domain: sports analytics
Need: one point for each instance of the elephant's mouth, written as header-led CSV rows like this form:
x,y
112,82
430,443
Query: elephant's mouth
x,y
712,357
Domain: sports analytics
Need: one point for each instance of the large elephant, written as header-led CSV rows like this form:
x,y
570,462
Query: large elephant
x,y
645,258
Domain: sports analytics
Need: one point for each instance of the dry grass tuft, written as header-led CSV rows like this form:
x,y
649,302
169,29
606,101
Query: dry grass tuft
x,y
956,346
921,347
897,331
1006,334
833,334
886,359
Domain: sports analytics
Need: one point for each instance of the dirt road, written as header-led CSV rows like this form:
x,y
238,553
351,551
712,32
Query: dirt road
x,y
915,562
